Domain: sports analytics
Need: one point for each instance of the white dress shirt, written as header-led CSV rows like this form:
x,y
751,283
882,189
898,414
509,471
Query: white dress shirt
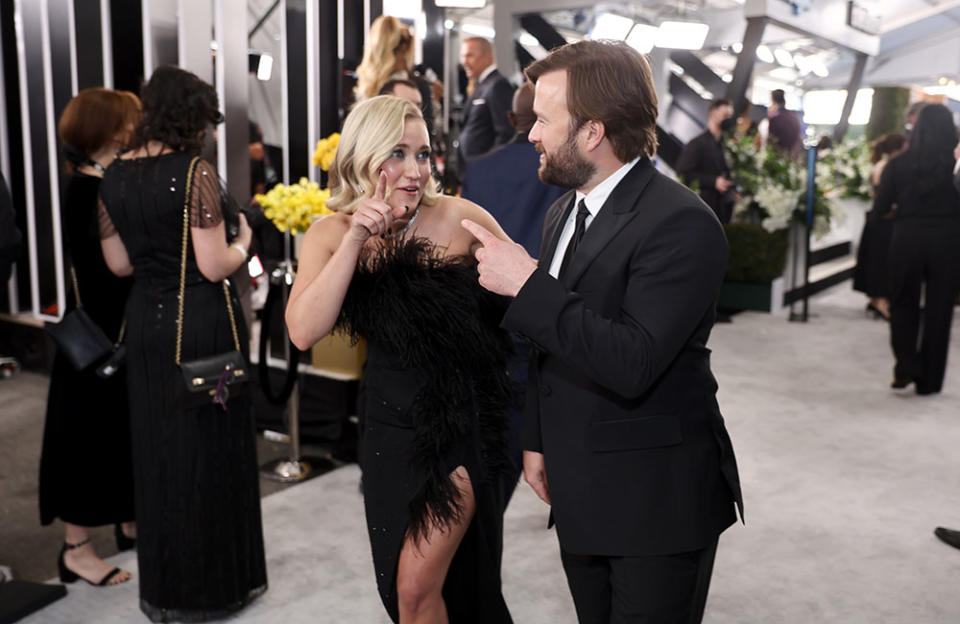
x,y
594,201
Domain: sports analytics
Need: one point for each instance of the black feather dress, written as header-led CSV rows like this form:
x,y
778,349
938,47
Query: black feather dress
x,y
437,398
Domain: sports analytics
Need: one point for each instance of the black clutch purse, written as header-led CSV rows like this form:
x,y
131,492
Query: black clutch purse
x,y
80,339
213,379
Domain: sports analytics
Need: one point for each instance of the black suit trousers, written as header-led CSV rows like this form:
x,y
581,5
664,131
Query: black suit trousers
x,y
924,253
665,589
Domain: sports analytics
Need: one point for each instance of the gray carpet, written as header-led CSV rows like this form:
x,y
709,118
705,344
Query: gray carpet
x,y
844,483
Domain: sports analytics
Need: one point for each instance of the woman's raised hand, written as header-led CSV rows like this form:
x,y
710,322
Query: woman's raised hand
x,y
374,216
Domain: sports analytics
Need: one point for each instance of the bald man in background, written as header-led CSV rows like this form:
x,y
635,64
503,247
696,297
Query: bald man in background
x,y
485,124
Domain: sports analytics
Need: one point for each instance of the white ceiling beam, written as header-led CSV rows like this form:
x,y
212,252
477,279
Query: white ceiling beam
x,y
915,16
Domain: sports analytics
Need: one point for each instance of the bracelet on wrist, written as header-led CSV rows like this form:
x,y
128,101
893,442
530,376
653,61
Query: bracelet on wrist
x,y
243,250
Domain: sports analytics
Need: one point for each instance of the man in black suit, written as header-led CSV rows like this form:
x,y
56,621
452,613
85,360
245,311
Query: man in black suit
x,y
623,434
703,161
485,123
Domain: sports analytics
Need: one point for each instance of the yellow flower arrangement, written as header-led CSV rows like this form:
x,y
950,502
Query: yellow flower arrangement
x,y
294,207
326,150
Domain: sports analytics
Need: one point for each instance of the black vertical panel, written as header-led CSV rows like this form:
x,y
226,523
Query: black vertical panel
x,y
352,35
329,66
126,30
88,27
11,95
297,88
43,201
737,87
433,37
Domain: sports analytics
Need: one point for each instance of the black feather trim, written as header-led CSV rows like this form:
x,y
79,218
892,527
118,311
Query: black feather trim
x,y
431,314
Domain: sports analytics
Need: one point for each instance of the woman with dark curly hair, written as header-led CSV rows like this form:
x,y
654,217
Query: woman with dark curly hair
x,y
199,537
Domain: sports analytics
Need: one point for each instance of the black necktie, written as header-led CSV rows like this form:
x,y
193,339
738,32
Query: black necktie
x,y
582,214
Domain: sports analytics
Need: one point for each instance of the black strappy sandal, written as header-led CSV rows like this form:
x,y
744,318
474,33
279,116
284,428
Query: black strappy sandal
x,y
69,576
123,542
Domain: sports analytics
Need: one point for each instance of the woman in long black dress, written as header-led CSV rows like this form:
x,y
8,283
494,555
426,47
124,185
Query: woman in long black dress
x,y
872,273
200,542
394,266
86,475
925,247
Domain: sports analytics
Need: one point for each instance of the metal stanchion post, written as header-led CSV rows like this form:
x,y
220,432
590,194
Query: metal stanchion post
x,y
296,467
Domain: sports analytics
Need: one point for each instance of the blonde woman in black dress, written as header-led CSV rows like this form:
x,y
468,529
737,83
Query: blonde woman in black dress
x,y
394,266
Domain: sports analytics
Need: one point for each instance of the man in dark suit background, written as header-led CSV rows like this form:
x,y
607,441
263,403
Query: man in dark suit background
x,y
489,93
703,161
625,439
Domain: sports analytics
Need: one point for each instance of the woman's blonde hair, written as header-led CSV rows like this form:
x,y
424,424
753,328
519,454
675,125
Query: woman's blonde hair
x,y
388,40
370,133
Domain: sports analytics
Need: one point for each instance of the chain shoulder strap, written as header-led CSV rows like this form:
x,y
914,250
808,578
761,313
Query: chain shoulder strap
x,y
183,268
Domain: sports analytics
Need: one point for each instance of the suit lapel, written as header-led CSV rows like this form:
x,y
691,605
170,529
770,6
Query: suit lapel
x,y
619,208
553,226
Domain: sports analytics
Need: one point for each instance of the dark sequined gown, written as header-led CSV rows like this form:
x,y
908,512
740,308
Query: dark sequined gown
x,y
199,537
437,398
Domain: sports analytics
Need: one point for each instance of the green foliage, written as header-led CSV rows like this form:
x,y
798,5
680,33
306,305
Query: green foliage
x,y
889,104
756,255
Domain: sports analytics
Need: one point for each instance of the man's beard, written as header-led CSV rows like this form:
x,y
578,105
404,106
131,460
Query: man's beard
x,y
566,168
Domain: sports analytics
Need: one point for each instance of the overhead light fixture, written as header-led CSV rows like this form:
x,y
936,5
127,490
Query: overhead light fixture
x,y
765,55
804,66
265,67
682,35
820,69
449,24
528,40
783,57
737,47
478,30
460,4
260,63
611,26
642,37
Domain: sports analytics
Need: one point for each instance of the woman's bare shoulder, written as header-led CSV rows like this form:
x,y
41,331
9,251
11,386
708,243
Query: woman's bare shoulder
x,y
327,231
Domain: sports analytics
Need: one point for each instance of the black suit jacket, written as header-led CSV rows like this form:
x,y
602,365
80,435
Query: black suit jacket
x,y
621,399
485,123
702,160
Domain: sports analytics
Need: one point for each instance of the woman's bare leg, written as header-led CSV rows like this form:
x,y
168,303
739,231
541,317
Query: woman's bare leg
x,y
423,567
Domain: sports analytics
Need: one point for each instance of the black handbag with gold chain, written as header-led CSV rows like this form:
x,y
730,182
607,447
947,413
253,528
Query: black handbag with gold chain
x,y
212,379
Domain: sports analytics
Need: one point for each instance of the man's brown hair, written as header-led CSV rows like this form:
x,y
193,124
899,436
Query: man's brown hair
x,y
609,82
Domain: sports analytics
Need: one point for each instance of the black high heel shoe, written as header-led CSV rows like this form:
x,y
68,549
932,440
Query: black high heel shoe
x,y
123,542
876,312
69,576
